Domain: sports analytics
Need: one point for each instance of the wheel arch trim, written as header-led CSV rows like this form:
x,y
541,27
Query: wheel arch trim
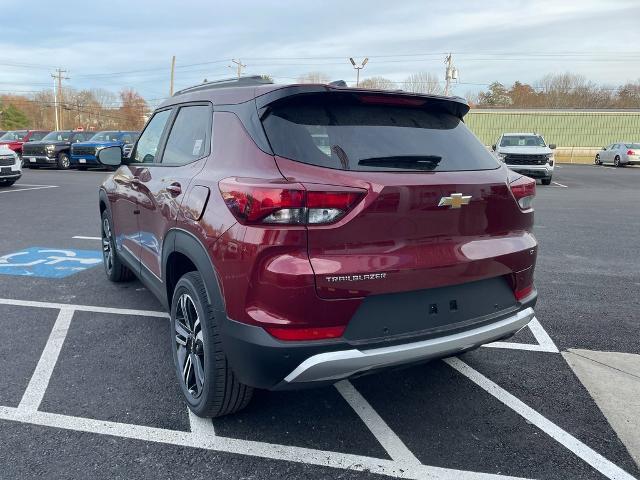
x,y
186,243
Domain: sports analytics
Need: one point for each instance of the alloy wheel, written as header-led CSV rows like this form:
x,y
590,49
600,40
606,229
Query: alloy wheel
x,y
107,246
189,344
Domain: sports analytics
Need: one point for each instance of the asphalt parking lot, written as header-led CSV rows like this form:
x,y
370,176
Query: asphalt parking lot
x,y
87,387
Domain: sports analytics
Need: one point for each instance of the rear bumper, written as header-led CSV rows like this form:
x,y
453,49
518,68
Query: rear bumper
x,y
264,362
346,363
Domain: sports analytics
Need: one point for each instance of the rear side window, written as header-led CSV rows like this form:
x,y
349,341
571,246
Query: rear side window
x,y
348,135
189,137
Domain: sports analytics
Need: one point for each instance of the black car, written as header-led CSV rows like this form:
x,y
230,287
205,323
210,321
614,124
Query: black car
x,y
53,150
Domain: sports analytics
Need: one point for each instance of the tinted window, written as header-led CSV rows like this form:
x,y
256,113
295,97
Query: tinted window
x,y
150,139
35,136
522,141
345,134
189,135
105,137
17,135
58,136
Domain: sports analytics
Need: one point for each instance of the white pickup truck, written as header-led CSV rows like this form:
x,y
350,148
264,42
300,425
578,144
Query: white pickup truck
x,y
10,167
526,153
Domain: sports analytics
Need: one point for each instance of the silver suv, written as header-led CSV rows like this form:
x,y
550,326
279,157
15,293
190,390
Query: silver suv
x,y
526,153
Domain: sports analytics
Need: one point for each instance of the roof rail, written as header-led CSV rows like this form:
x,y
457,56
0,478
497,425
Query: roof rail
x,y
226,83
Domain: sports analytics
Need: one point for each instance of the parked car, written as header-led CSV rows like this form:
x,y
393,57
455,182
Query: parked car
x,y
83,154
10,167
528,154
619,154
53,149
285,264
15,139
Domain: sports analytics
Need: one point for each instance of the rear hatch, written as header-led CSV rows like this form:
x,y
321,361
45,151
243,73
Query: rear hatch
x,y
436,210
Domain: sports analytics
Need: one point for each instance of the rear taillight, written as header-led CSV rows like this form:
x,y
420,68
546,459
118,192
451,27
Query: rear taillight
x,y
287,203
523,293
631,152
312,333
523,190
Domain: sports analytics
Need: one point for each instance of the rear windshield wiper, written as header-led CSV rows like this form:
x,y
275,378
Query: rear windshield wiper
x,y
409,162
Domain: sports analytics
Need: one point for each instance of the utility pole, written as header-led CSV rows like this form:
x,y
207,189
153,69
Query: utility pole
x,y
358,68
173,69
55,101
239,66
57,98
451,73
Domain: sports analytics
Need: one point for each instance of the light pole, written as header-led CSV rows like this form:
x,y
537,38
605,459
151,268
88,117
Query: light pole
x,y
358,68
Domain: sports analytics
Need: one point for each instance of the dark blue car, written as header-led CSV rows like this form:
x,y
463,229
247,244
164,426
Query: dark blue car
x,y
83,154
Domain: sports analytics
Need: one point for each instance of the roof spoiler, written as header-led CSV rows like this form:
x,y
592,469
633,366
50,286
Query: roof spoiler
x,y
457,106
250,81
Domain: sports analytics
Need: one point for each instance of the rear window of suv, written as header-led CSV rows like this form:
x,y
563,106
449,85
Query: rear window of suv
x,y
345,134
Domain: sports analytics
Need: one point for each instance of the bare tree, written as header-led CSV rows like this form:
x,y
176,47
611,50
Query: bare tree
x,y
132,111
378,83
314,77
108,101
423,82
629,95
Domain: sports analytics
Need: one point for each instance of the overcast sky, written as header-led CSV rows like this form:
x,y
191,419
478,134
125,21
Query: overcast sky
x,y
99,42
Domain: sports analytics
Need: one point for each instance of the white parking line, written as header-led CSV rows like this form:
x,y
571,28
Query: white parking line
x,y
403,464
32,185
593,458
40,379
82,237
83,308
201,426
14,189
396,449
302,455
559,184
545,344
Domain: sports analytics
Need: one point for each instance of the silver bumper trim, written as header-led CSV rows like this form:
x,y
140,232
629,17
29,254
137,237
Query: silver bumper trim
x,y
344,363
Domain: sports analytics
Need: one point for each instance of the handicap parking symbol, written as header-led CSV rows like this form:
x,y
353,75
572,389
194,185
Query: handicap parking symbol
x,y
48,262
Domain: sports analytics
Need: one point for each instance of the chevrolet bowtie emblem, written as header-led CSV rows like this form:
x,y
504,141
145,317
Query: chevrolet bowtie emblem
x,y
456,200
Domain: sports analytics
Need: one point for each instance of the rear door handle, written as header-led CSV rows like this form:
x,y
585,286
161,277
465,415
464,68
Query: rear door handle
x,y
174,189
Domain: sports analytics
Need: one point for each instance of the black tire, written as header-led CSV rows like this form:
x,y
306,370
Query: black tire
x,y
597,160
114,268
63,161
215,390
616,161
546,181
6,183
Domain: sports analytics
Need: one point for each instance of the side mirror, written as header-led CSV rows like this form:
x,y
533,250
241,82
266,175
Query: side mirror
x,y
604,148
552,146
493,147
110,156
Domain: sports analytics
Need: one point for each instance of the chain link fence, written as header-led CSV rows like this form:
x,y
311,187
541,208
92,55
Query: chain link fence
x,y
578,134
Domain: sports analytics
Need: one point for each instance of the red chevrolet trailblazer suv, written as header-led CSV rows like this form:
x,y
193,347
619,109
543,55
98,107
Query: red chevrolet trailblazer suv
x,y
303,234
